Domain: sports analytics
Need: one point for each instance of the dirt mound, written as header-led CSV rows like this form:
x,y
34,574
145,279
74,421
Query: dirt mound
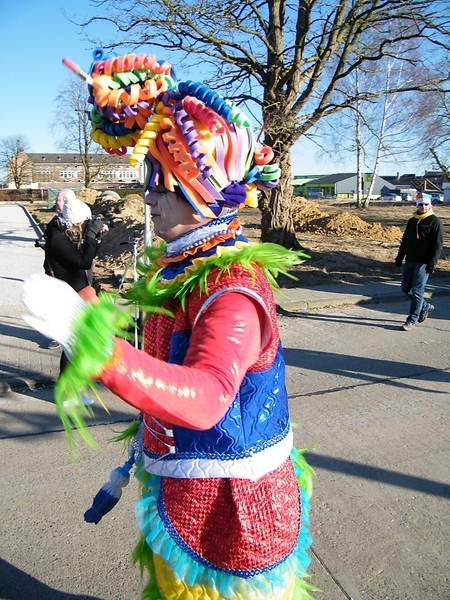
x,y
87,195
305,212
117,247
308,218
342,245
116,251
128,216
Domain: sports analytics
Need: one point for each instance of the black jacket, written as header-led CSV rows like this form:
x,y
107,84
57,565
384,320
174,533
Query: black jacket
x,y
422,241
64,260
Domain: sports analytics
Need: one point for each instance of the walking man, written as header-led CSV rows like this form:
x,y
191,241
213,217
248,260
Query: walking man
x,y
421,246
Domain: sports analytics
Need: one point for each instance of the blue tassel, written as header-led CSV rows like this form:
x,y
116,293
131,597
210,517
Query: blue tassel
x,y
108,496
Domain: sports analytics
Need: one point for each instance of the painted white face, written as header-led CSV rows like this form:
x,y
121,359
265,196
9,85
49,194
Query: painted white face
x,y
172,217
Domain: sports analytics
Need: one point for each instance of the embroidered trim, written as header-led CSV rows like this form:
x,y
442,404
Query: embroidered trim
x,y
250,464
199,236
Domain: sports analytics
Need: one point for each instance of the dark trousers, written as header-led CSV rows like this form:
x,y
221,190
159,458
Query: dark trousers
x,y
414,279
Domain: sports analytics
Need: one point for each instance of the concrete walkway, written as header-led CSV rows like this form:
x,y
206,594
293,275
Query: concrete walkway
x,y
369,401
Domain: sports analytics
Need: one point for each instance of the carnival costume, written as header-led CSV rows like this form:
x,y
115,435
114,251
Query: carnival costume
x,y
225,497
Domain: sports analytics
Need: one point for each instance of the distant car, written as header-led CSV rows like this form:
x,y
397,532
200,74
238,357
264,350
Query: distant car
x,y
406,197
391,198
437,198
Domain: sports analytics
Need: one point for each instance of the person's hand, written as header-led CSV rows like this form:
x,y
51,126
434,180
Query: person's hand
x,y
429,269
94,228
398,262
54,306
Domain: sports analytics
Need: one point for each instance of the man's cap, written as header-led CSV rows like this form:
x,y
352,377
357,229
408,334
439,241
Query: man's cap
x,y
423,197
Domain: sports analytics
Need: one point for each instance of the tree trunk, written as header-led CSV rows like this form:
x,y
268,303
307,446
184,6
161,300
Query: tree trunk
x,y
276,222
359,151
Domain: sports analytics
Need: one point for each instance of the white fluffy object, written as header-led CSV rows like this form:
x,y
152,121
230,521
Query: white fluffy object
x,y
74,210
53,305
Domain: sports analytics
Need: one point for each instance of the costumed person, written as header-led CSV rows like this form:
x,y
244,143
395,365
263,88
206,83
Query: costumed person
x,y
225,496
421,244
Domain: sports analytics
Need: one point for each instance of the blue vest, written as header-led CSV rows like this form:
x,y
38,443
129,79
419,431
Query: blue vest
x,y
257,418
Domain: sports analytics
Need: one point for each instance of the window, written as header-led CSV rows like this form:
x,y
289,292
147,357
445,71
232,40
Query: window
x,y
120,173
70,174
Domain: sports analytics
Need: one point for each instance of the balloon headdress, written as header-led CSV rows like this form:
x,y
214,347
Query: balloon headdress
x,y
191,139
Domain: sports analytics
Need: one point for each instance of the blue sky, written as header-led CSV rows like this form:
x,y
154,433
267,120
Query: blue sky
x,y
33,42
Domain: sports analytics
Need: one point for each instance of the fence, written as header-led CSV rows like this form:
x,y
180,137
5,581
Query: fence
x,y
39,195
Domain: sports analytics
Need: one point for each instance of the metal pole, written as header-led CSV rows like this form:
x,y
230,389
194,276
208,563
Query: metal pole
x,y
136,311
147,226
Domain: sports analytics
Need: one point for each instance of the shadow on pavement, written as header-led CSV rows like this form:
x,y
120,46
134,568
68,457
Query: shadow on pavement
x,y
28,424
355,469
13,331
18,585
367,370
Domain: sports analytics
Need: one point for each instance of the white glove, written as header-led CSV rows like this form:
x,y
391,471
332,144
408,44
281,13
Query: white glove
x,y
54,306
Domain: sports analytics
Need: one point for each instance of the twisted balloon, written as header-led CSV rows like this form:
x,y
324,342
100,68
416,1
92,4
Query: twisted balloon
x,y
185,134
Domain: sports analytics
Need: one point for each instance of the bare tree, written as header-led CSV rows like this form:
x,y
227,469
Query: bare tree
x,y
391,120
72,128
14,162
434,115
380,128
444,167
290,58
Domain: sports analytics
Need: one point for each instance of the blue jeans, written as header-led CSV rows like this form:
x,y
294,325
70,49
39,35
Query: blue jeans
x,y
414,279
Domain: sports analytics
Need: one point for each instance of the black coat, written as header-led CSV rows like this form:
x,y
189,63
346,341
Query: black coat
x,y
64,260
422,241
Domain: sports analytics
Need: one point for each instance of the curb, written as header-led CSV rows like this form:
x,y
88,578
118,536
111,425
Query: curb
x,y
17,384
33,222
334,302
330,300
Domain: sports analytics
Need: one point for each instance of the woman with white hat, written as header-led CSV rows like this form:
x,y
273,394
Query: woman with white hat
x,y
72,240
71,243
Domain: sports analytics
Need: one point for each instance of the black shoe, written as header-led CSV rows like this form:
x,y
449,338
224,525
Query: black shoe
x,y
424,314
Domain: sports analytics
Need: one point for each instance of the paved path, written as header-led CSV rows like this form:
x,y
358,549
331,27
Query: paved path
x,y
370,401
26,360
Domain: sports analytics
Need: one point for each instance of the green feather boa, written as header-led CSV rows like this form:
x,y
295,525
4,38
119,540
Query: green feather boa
x,y
150,291
94,328
98,323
